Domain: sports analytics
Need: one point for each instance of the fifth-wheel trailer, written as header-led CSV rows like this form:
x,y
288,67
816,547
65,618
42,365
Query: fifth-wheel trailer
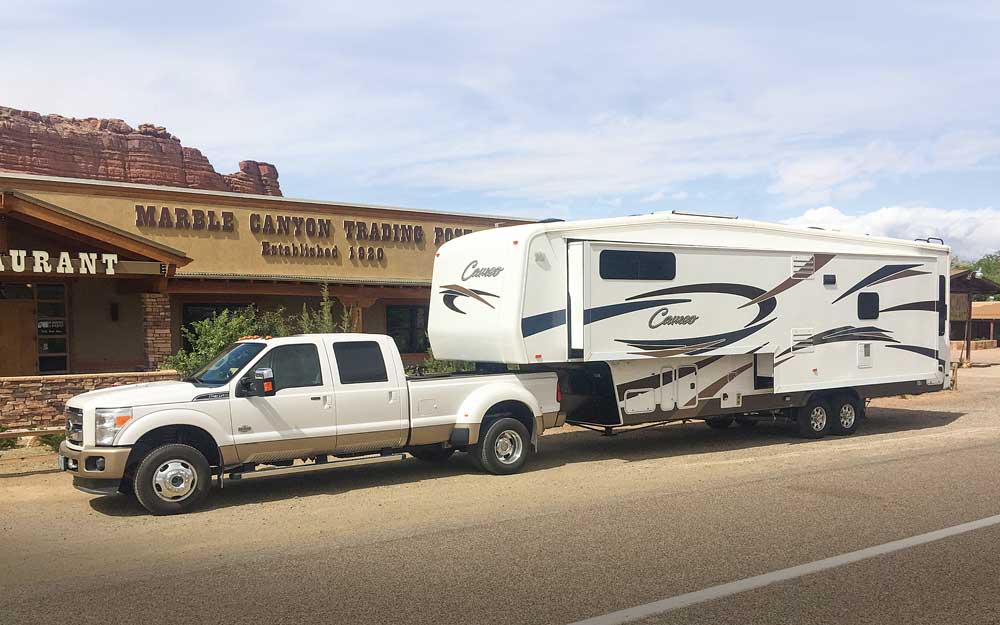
x,y
668,317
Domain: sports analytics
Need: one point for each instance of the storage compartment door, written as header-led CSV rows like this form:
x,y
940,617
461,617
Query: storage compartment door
x,y
687,387
576,272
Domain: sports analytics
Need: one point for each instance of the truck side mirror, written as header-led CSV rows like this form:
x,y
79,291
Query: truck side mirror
x,y
263,382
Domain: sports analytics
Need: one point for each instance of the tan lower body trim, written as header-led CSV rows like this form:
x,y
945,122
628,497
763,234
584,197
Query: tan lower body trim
x,y
370,441
286,449
115,459
431,434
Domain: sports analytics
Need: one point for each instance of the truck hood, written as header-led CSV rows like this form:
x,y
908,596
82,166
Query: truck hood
x,y
145,394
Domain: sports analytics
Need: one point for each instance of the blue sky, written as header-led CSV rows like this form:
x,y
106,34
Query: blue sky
x,y
875,117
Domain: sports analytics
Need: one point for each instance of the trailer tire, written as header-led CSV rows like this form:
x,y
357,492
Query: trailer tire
x,y
504,448
172,479
845,414
719,423
814,418
434,455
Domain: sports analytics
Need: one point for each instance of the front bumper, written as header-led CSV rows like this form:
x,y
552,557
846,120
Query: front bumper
x,y
94,469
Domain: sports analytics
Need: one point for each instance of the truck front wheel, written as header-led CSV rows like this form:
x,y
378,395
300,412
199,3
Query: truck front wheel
x,y
504,448
172,479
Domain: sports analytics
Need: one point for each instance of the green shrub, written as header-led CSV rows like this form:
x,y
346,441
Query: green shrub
x,y
210,336
52,441
7,443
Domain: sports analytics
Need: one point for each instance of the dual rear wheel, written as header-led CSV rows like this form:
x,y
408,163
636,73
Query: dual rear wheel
x,y
835,415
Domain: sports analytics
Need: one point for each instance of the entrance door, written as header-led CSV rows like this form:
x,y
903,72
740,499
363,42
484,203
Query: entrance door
x,y
687,387
18,352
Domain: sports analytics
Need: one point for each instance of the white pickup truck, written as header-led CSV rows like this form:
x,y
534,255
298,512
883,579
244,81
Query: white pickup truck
x,y
307,397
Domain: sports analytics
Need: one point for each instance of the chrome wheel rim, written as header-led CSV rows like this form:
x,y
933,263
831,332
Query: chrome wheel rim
x,y
817,418
174,480
508,447
847,416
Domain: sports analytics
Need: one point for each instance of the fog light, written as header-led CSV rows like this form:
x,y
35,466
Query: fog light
x,y
95,463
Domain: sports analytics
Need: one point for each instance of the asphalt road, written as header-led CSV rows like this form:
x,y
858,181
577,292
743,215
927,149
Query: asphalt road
x,y
597,525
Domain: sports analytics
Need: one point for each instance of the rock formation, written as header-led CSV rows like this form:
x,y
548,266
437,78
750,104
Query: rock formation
x,y
110,149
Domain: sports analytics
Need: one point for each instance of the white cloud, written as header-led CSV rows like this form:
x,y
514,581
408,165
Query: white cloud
x,y
679,195
970,233
653,197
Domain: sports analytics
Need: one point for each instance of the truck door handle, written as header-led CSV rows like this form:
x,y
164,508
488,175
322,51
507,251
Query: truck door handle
x,y
692,386
316,398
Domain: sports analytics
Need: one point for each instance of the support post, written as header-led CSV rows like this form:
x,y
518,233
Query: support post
x,y
968,330
156,326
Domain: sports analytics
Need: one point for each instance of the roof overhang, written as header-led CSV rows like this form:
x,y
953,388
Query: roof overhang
x,y
966,281
64,222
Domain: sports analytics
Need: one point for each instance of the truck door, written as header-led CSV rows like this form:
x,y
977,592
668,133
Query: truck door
x,y
299,419
370,393
687,387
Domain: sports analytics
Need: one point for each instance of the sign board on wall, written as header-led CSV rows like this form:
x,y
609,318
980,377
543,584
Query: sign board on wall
x,y
959,308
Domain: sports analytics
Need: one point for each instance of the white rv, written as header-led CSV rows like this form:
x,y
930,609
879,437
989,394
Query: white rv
x,y
668,316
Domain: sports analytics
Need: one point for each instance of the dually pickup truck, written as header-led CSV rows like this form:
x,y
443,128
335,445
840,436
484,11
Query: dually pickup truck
x,y
308,397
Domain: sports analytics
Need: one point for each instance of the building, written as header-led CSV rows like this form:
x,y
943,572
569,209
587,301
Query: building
x,y
969,330
99,277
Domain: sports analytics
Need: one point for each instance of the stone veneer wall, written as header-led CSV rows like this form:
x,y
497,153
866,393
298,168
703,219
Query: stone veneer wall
x,y
155,328
37,401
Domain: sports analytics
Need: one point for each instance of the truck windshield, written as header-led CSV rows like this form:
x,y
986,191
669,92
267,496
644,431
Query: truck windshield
x,y
227,364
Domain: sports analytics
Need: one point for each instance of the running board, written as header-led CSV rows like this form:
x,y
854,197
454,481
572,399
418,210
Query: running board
x,y
313,466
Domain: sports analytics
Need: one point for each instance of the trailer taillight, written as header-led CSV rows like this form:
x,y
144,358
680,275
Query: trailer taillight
x,y
558,393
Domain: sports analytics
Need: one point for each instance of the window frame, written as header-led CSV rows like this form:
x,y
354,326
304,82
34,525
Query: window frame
x,y
414,339
605,272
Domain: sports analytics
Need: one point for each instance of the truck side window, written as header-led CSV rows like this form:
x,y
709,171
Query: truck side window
x,y
868,306
637,265
360,362
294,366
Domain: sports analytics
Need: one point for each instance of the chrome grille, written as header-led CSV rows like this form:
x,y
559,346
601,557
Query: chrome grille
x,y
74,425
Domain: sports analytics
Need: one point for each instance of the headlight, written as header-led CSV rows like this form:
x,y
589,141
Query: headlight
x,y
109,422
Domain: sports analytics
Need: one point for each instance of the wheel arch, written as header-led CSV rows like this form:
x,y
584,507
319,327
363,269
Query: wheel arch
x,y
183,433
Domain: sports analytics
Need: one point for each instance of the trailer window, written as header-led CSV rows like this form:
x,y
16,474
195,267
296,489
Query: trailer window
x,y
360,362
868,306
635,265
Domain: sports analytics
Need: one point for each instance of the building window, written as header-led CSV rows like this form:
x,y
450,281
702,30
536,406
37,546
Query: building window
x,y
407,325
634,265
360,362
868,306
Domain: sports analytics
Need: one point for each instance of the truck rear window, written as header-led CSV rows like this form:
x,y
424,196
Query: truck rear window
x,y
360,362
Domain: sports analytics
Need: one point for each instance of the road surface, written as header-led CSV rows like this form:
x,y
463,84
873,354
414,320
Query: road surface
x,y
596,526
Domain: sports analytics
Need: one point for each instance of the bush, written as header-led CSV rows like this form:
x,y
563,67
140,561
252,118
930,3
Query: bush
x,y
209,337
52,441
432,365
7,443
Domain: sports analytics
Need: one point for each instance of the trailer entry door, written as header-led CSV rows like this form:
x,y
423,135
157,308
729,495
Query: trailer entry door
x,y
576,271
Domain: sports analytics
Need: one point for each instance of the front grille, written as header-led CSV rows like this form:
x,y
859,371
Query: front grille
x,y
74,425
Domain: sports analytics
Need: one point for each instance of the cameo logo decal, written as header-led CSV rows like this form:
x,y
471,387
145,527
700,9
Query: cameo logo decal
x,y
473,270
450,293
662,317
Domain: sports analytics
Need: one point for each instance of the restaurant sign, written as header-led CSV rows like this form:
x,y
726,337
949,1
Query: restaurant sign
x,y
41,261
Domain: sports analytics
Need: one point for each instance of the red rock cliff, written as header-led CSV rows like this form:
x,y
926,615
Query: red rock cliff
x,y
110,149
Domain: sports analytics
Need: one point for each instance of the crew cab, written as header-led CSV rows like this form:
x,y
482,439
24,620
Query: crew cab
x,y
307,397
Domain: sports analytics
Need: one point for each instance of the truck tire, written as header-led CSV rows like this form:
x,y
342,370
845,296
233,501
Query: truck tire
x,y
172,479
719,423
814,418
436,455
846,410
503,448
